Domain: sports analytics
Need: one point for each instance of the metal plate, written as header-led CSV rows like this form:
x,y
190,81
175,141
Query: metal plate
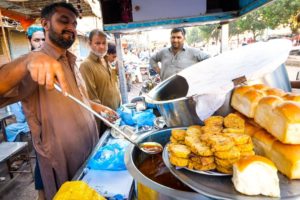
x,y
221,187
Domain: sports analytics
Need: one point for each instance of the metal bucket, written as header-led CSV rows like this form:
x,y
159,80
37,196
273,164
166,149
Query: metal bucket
x,y
147,188
178,110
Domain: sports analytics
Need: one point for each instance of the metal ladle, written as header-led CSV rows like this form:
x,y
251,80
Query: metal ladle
x,y
147,147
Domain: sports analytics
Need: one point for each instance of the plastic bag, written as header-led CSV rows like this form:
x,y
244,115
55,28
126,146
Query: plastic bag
x,y
144,118
109,157
126,116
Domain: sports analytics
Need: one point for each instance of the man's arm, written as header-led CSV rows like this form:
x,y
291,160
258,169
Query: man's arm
x,y
105,111
154,62
201,55
42,68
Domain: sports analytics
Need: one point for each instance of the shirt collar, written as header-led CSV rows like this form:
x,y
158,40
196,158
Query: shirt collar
x,y
183,48
94,57
56,55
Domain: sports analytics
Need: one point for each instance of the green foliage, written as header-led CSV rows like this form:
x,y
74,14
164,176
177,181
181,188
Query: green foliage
x,y
275,14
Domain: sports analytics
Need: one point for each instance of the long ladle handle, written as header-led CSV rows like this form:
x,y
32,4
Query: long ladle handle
x,y
57,87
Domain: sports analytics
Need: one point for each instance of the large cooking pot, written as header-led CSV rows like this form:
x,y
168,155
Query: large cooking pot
x,y
147,188
178,110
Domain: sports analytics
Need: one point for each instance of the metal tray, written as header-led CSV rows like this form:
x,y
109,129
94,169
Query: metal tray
x,y
222,187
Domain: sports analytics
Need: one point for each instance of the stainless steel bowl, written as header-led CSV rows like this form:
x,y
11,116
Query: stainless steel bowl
x,y
134,157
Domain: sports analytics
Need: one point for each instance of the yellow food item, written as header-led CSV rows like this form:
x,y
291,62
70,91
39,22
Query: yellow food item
x,y
201,149
203,160
214,121
198,166
220,143
239,138
233,130
190,140
226,163
233,153
180,162
174,141
194,130
180,150
178,134
77,190
246,147
224,169
247,153
234,121
212,129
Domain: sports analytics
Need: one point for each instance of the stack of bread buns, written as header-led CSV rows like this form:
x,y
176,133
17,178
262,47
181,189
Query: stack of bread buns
x,y
274,127
272,109
217,145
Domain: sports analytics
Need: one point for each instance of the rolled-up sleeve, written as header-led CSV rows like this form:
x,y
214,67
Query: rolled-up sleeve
x,y
155,59
201,55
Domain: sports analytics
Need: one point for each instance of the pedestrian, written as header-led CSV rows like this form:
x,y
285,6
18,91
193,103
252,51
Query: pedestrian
x,y
177,57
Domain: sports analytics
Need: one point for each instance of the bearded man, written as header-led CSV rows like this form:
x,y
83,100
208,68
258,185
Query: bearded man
x,y
63,133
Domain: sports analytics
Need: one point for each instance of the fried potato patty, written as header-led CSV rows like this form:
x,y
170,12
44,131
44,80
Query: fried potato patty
x,y
178,134
224,170
220,143
214,121
180,162
227,163
180,150
233,153
203,160
201,149
198,166
234,121
239,138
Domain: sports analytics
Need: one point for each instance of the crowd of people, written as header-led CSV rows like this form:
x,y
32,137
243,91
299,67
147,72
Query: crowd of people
x,y
63,133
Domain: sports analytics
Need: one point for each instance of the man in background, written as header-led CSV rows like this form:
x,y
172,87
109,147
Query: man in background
x,y
98,76
177,57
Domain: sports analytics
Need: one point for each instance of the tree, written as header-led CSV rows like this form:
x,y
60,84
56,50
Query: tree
x,y
193,35
280,12
252,22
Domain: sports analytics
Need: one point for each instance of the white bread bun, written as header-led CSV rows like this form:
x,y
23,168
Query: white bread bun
x,y
263,142
286,122
285,156
254,175
292,97
287,159
259,87
245,100
264,111
274,92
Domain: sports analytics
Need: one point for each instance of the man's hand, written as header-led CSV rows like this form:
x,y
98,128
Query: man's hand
x,y
105,111
46,70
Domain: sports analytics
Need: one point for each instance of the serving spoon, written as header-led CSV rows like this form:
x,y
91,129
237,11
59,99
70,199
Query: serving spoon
x,y
147,147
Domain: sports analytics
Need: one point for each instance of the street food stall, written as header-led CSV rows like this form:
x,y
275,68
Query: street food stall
x,y
161,177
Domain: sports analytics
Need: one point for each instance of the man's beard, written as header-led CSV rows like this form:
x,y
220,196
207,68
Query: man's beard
x,y
59,40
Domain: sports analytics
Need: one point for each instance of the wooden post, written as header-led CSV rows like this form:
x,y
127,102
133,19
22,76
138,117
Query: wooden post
x,y
6,48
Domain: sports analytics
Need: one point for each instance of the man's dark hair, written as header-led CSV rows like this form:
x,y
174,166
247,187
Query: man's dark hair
x,y
96,32
111,48
179,29
49,10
